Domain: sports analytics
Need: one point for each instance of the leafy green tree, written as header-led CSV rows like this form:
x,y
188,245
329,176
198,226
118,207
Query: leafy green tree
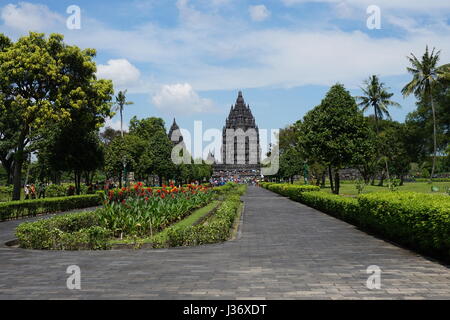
x,y
79,153
425,77
158,151
42,80
335,132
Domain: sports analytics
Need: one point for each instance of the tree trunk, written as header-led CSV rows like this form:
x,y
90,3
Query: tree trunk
x,y
402,179
380,184
17,178
337,181
331,178
434,138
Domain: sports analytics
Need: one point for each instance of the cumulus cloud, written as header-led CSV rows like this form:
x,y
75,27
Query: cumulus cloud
x,y
388,4
212,52
181,99
121,71
259,12
115,124
26,17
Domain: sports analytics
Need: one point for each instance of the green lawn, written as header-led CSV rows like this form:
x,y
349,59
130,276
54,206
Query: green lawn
x,y
423,187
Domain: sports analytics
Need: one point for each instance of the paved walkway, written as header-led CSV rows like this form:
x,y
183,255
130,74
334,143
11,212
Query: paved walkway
x,y
285,251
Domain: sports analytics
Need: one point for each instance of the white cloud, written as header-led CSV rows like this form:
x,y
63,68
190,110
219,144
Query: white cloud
x,y
121,71
213,52
181,99
30,17
259,12
115,124
388,4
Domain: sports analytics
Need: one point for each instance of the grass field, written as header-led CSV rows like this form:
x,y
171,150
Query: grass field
x,y
423,187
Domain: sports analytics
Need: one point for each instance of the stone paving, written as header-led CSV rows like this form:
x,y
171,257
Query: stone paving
x,y
285,250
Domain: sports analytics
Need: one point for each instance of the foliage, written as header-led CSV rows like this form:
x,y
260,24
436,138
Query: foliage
x,y
43,82
68,232
216,230
335,133
140,211
426,76
20,209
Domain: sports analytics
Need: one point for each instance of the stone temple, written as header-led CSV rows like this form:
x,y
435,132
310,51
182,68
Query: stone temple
x,y
240,152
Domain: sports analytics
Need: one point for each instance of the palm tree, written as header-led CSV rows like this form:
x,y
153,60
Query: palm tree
x,y
121,102
377,97
425,75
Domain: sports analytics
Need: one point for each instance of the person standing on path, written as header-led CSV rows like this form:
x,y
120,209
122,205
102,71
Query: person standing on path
x,y
26,192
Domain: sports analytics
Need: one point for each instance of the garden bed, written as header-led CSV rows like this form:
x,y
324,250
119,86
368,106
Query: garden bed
x,y
140,217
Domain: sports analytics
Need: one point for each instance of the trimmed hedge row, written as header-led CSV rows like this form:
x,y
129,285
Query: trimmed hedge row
x,y
289,190
216,229
417,220
434,179
69,232
19,209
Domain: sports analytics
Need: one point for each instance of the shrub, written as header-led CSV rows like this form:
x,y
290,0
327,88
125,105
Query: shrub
x,y
18,209
217,228
414,219
344,208
68,232
290,190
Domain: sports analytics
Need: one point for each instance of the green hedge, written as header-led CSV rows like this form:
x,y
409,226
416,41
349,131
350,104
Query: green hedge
x,y
217,229
69,232
19,209
417,220
292,191
434,180
344,208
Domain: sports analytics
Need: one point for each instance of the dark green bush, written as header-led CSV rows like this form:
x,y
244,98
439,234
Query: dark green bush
x,y
292,191
217,228
417,220
344,208
18,209
68,232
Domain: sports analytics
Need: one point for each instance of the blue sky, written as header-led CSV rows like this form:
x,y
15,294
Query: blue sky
x,y
188,58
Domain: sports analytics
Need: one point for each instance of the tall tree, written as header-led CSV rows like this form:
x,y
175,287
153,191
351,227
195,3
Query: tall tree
x,y
335,133
425,76
377,97
42,80
121,102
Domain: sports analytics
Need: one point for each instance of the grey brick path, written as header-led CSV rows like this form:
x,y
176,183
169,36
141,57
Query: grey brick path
x,y
285,251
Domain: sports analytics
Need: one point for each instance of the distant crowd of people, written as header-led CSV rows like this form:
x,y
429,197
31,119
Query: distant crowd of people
x,y
224,180
31,192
